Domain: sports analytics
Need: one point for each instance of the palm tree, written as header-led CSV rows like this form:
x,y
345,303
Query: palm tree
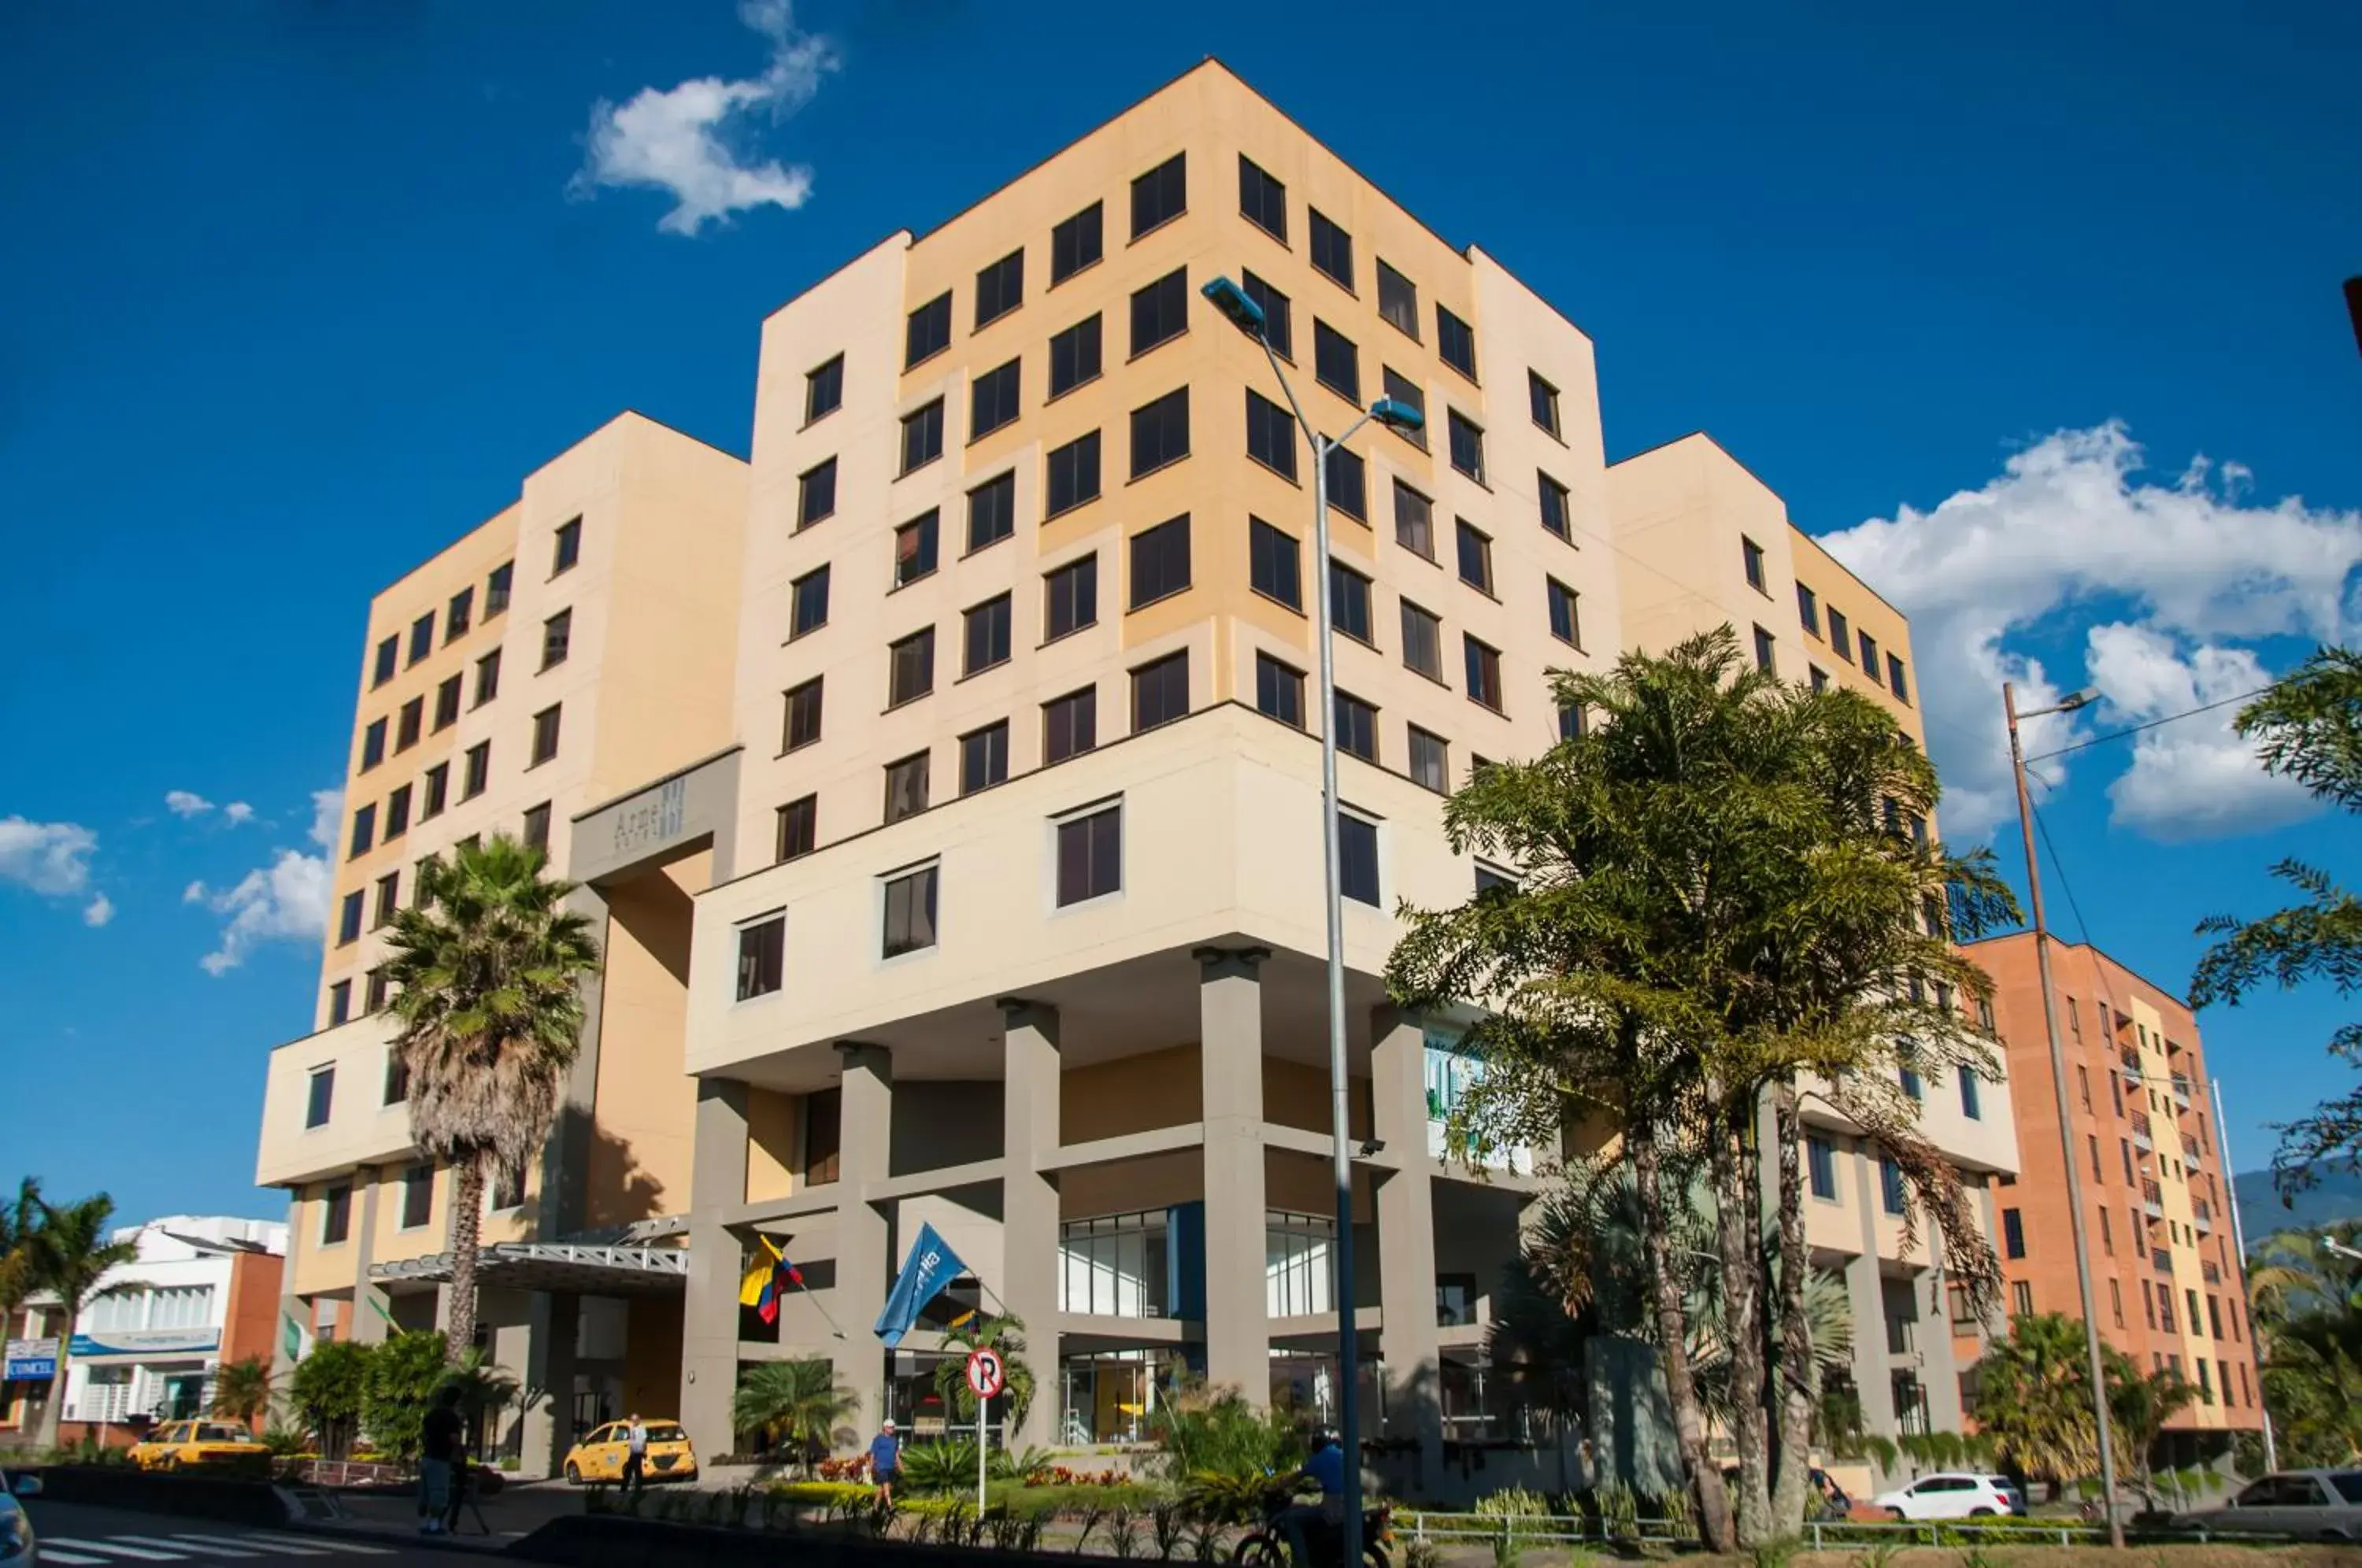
x,y
2139,1404
2034,1397
242,1389
798,1402
485,1388
18,1222
67,1253
488,966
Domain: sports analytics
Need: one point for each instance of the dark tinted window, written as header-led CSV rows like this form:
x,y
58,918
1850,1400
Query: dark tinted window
x,y
1075,356
1403,390
1422,637
348,919
1277,328
906,787
1467,446
412,721
459,614
762,957
488,677
984,757
1160,561
1557,516
1074,474
1840,635
1160,692
923,435
1763,652
1398,299
1001,287
911,667
816,494
447,703
1279,691
388,654
808,604
1430,761
1159,431
1160,310
1476,557
824,389
437,792
336,1222
1544,400
557,640
1070,724
1336,362
1483,663
1357,859
1332,248
985,635
397,813
496,588
992,512
1070,598
1456,342
1075,244
798,827
1263,200
1414,520
1565,613
1751,555
1161,193
1271,434
1869,657
802,726
1090,855
544,737
569,548
1357,727
929,331
1273,564
478,775
992,399
1895,679
910,912
915,545
364,833
1349,602
1348,489
373,744
422,632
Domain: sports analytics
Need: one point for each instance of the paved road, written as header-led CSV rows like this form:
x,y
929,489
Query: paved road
x,y
74,1535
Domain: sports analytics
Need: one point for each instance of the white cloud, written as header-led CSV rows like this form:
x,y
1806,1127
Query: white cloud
x,y
327,815
237,813
286,900
2194,778
184,803
2070,527
98,911
48,858
195,893
691,140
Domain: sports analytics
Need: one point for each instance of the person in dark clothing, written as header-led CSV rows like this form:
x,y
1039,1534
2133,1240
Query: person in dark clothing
x,y
886,1461
439,1449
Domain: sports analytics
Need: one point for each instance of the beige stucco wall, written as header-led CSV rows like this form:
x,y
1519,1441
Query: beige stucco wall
x,y
646,1106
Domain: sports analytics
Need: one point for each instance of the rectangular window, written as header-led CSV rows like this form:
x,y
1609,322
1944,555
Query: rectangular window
x,y
1765,660
915,548
496,588
1000,288
422,637
1090,855
397,813
1565,613
1483,672
1336,362
1357,859
348,920
1820,677
762,957
910,912
1557,513
1542,398
923,436
556,638
364,832
1398,300
1894,679
373,744
1332,249
907,784
1349,603
1456,341
928,332
437,792
536,827
808,604
1348,484
816,493
389,901
389,656
1159,195
1840,635
1870,657
1414,520
1263,201
2083,1086
802,722
1271,434
336,1212
1422,641
1475,552
1275,564
569,549
824,389
1159,431
985,635
446,704
991,512
992,399
1070,598
1808,610
488,677
1070,724
1278,321
545,736
340,1006
984,757
2107,1234
1075,244
2013,1229
411,722
1467,441
417,1197
1973,1104
1074,474
1357,727
1075,356
321,1098
1160,561
1891,1191
459,614
1160,312
1403,390
798,827
1430,761
2021,1297
1160,692
910,667
1279,691
1752,556
1821,1161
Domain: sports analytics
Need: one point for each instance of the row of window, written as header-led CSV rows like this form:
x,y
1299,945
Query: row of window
x,y
411,722
1844,640
1821,1171
431,793
459,613
534,834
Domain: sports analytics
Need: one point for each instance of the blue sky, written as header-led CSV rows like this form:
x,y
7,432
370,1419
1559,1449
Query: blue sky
x,y
299,291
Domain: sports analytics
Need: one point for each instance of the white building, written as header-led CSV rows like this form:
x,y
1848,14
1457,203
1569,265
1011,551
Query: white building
x,y
203,1290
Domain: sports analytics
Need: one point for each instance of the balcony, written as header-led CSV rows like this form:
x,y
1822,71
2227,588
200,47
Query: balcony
x,y
2202,1215
2152,1198
2182,1091
2142,1139
2211,1272
2190,1148
2130,1059
2161,1260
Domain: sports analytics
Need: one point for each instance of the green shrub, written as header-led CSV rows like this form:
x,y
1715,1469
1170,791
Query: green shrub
x,y
397,1387
824,1493
1215,1429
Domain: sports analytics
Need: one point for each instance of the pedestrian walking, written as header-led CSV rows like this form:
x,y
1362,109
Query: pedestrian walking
x,y
439,1448
635,1456
886,1461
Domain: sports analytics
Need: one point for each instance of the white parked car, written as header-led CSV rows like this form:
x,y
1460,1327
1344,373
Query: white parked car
x,y
2317,1505
18,1548
1953,1494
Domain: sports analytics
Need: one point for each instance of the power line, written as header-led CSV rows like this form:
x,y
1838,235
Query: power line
x,y
2150,725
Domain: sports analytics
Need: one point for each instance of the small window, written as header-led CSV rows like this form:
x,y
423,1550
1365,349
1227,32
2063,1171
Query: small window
x,y
422,637
991,512
348,920
1456,341
1348,485
340,1007
802,726
923,436
459,614
1074,474
1565,614
1401,389
569,548
1332,249
910,912
1159,431
1263,201
910,667
364,833
1574,722
993,399
1069,725
1075,356
544,737
1279,691
1430,761
1840,635
1001,288
1271,434
436,794
1870,657
1160,561
1090,856
1398,300
1543,399
1821,1156
1160,692
410,724
556,638
1422,641
825,389
816,493
1764,652
906,786
1483,663
798,827
1357,859
1971,1098
1489,880
1278,328
322,1098
1161,195
1160,312
984,757
1558,513
762,957
1467,442
1349,602
1275,564
1475,553
1336,362
488,677
808,604
1820,677
446,704
1414,520
1891,1191
496,588
337,1205
536,827
1751,554
915,548
373,744
2013,1231
397,813
1357,727
389,656
417,1201
1808,610
929,330
1894,679
389,901
1070,598
1075,244
985,635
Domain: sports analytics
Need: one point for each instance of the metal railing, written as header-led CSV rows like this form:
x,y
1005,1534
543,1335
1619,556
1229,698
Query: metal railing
x,y
1538,1529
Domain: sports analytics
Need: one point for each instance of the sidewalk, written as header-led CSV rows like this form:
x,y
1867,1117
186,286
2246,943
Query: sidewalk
x,y
522,1508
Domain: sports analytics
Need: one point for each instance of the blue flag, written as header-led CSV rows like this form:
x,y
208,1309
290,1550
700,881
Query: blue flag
x,y
929,1267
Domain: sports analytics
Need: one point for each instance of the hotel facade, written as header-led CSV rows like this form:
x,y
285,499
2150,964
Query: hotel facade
x,y
972,871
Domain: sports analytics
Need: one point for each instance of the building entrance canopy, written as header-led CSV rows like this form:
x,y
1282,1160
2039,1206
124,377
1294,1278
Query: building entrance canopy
x,y
570,1267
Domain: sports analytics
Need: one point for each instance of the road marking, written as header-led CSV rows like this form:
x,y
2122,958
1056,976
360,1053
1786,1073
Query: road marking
x,y
144,1553
71,1558
313,1545
218,1546
181,1543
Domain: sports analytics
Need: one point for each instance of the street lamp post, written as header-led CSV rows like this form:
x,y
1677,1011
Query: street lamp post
x,y
2239,1240
2058,1089
1245,314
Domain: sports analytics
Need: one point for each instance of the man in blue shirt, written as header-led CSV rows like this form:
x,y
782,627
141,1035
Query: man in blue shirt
x,y
1326,1469
886,1461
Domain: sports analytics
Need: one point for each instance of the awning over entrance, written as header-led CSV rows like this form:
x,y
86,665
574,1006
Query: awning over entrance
x,y
578,1268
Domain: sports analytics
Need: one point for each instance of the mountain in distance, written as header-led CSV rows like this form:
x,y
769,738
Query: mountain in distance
x,y
2336,1196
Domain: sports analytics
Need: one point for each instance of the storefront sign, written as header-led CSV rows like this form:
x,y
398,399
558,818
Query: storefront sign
x,y
30,1359
147,1343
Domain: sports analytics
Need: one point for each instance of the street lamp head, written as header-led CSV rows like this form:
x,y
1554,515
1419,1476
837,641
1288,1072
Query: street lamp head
x,y
1397,414
2073,701
1232,302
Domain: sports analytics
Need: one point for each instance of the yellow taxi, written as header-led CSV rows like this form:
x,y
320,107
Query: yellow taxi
x,y
185,1445
599,1456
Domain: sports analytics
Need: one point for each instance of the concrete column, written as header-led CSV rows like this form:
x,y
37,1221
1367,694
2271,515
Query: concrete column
x,y
1406,1202
370,1315
864,1239
1230,1011
551,1336
708,1333
564,1203
1939,1369
1866,1293
291,1306
1028,1205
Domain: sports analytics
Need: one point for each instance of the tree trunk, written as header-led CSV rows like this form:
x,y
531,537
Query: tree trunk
x,y
1738,1230
466,1239
56,1407
1672,1346
1800,1369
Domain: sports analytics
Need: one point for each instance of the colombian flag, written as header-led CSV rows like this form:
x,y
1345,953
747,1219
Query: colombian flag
x,y
765,1282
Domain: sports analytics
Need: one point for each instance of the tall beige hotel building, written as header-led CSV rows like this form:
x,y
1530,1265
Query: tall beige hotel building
x,y
945,782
